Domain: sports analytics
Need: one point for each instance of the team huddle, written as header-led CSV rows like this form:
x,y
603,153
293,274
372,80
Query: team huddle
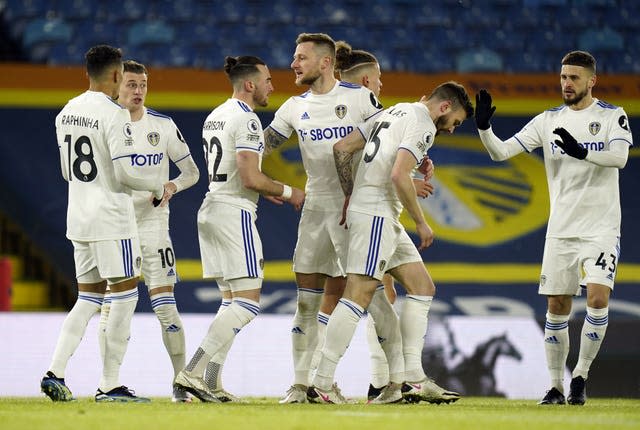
x,y
364,164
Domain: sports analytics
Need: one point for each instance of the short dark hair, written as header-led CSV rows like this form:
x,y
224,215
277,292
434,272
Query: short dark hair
x,y
580,58
456,93
132,66
99,58
321,40
347,58
242,67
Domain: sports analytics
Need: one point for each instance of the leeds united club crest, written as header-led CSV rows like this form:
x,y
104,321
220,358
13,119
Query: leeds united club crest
x,y
594,128
341,111
153,138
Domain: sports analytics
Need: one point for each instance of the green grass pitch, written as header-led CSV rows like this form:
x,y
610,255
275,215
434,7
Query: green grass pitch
x,y
266,414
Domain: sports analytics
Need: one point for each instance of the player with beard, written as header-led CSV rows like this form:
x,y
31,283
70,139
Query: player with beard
x,y
397,144
585,142
328,111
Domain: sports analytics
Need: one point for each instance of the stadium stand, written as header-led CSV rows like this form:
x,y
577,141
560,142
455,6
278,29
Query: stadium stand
x,y
407,35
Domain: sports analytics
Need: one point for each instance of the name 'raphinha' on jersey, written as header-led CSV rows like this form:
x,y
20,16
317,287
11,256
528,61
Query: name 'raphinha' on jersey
x,y
80,121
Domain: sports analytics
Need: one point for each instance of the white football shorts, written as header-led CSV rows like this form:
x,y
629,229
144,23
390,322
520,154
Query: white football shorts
x,y
158,259
114,259
569,263
230,245
321,245
377,245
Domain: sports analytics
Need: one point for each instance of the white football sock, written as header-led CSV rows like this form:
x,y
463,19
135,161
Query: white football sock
x,y
304,334
556,347
123,305
340,329
73,330
413,325
591,337
102,324
223,330
379,366
323,320
213,373
388,367
164,305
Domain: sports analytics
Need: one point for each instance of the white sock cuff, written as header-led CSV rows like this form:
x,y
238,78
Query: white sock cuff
x,y
353,306
248,304
162,299
595,312
124,296
597,317
424,299
323,318
94,298
553,318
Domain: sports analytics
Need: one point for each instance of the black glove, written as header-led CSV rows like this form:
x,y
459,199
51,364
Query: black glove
x,y
484,110
569,144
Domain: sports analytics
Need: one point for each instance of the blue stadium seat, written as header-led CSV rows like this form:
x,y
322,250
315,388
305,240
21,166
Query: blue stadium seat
x,y
605,39
150,33
479,60
65,54
46,31
16,9
172,11
75,10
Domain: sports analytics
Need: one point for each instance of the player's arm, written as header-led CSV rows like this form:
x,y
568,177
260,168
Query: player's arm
x,y
343,152
616,156
127,174
403,183
272,140
248,163
188,176
498,149
64,161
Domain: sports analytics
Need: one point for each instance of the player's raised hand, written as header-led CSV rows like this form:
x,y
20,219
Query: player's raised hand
x,y
425,234
484,110
424,188
569,144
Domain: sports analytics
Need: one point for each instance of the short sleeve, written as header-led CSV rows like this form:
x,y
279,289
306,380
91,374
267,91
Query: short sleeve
x,y
248,133
281,123
119,134
418,137
530,137
177,147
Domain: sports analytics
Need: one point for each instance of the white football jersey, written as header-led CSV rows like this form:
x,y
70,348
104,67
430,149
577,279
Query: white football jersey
x,y
92,130
405,126
584,197
320,120
157,140
230,128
